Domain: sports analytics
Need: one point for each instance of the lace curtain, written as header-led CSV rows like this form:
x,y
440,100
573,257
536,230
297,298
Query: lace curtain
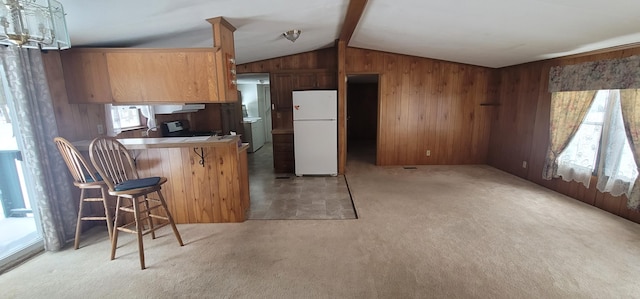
x,y
28,95
630,103
600,144
617,170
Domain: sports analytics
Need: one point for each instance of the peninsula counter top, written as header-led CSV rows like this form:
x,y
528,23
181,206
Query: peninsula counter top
x,y
168,142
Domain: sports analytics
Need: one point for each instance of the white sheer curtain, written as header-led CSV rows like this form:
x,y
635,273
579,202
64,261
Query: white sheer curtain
x,y
148,112
112,119
617,168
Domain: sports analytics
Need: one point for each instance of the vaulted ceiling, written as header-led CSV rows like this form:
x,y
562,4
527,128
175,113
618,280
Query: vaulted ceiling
x,y
493,33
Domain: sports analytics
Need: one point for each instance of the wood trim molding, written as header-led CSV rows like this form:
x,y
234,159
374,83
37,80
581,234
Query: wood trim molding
x,y
351,19
143,50
600,51
223,22
286,71
342,106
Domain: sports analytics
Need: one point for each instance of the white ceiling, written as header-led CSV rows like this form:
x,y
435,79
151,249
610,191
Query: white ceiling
x,y
491,33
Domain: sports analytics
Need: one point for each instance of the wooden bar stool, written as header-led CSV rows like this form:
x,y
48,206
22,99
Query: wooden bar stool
x,y
84,177
115,165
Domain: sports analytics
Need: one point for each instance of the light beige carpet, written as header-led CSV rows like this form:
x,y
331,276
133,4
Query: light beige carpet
x,y
433,232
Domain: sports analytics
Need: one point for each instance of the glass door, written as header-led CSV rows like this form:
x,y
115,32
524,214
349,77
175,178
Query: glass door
x,y
20,234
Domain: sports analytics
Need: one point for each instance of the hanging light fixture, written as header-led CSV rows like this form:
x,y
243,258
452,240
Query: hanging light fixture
x,y
36,24
292,35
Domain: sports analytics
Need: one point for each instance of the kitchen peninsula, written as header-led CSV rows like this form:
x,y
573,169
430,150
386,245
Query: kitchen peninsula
x,y
208,179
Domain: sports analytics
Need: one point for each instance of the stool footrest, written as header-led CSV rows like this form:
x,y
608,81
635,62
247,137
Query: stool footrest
x,y
93,218
133,231
129,209
92,199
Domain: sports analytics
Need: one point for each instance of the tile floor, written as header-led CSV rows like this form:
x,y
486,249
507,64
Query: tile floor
x,y
285,196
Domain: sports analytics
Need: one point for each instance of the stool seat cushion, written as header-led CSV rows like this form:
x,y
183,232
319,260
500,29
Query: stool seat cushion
x,y
137,183
90,180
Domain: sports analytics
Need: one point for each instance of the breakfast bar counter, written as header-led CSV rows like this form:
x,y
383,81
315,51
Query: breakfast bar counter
x,y
208,179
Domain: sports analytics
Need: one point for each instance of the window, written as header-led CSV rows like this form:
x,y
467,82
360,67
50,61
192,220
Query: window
x,y
600,148
126,117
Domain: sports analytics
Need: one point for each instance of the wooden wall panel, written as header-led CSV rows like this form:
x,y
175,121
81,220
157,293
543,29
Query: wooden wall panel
x,y
428,104
319,59
512,128
520,131
196,193
75,121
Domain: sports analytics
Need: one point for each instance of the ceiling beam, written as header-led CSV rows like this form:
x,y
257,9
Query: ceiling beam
x,y
354,12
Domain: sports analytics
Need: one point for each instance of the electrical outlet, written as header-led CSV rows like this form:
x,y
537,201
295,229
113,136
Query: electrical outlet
x,y
100,129
428,153
524,164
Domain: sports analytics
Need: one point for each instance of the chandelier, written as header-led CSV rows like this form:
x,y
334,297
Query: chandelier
x,y
36,24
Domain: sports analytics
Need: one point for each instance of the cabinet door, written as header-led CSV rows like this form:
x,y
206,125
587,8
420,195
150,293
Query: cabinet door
x,y
160,76
86,77
283,154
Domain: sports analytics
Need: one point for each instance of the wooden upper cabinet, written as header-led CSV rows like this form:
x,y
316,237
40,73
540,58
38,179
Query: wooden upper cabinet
x,y
130,75
162,76
86,77
225,59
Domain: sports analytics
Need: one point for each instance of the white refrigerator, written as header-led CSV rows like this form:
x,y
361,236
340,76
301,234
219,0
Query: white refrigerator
x,y
315,132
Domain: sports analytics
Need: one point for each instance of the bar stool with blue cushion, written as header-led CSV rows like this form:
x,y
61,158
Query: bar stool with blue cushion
x,y
115,165
84,177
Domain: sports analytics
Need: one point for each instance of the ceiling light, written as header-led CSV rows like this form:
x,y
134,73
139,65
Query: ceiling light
x,y
292,35
36,24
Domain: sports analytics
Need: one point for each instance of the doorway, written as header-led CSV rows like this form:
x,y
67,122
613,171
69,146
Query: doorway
x,y
362,117
256,102
20,235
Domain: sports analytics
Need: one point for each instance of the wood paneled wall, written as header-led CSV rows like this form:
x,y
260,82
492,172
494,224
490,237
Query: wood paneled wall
x,y
428,104
75,121
319,59
520,130
199,193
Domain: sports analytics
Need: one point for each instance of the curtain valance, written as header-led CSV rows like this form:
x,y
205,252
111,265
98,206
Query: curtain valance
x,y
622,73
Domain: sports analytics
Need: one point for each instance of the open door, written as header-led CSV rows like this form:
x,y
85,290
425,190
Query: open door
x,y
362,117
